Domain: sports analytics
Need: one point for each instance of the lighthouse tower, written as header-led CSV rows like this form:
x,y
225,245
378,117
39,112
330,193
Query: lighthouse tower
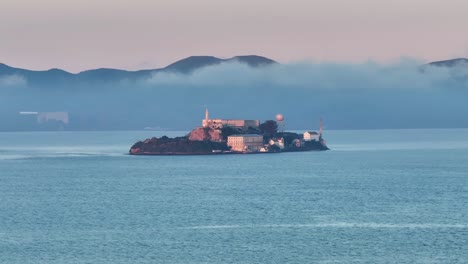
x,y
206,121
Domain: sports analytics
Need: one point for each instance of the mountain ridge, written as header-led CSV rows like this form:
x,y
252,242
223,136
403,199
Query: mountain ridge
x,y
186,65
449,63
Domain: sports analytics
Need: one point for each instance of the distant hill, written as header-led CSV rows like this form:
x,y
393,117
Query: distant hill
x,y
450,63
459,66
192,63
184,66
38,77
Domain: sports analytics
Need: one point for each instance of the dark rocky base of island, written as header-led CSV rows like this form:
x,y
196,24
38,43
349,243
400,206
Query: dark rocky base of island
x,y
208,141
177,146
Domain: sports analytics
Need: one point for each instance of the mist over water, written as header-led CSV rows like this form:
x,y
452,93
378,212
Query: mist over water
x,y
347,96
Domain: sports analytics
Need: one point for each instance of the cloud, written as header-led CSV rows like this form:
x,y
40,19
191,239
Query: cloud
x,y
405,74
12,80
366,95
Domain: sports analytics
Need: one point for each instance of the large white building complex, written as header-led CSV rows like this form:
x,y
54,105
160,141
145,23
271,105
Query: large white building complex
x,y
235,123
245,142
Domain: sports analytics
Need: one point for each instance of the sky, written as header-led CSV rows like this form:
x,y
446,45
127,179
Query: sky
x,y
139,34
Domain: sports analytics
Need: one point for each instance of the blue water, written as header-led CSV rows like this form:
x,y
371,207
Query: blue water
x,y
383,196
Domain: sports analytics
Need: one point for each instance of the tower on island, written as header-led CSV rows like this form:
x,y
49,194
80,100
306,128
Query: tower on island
x,y
206,121
280,120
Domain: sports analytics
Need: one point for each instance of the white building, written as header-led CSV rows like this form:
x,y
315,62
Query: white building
x,y
311,136
245,142
235,123
44,117
277,142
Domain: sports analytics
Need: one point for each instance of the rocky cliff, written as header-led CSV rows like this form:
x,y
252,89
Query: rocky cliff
x,y
205,133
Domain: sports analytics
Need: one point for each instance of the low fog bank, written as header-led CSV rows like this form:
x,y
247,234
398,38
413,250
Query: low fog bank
x,y
347,96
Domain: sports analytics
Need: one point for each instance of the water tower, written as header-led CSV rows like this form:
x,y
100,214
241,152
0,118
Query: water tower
x,y
280,121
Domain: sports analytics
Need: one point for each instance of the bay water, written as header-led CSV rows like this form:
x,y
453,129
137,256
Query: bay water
x,y
378,196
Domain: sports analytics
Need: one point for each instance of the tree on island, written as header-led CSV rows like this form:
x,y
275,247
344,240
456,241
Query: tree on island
x,y
227,131
269,128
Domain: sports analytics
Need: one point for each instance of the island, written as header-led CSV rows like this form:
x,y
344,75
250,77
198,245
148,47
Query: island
x,y
233,136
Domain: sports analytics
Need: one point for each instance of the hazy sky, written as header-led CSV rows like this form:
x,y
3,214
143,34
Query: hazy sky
x,y
132,34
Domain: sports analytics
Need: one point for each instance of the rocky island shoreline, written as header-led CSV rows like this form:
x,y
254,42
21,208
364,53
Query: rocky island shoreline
x,y
233,136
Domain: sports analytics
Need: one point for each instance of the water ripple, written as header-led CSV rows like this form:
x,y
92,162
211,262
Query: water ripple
x,y
337,225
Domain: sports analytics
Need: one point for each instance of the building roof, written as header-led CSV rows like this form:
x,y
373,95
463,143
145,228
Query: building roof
x,y
312,132
246,135
221,119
